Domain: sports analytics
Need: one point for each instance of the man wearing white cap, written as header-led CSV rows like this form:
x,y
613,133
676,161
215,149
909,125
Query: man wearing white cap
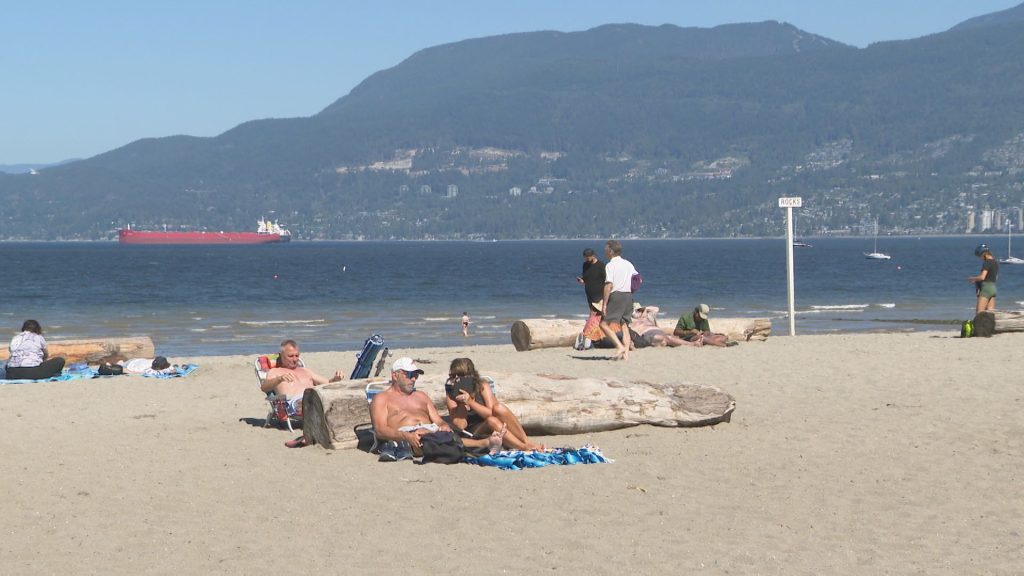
x,y
401,414
694,327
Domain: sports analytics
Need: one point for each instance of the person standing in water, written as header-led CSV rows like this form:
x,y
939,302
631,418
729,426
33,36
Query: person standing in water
x,y
465,324
985,281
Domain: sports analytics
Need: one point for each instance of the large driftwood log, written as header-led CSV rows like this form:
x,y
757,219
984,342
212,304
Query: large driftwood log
x,y
91,350
544,333
1009,321
534,333
545,404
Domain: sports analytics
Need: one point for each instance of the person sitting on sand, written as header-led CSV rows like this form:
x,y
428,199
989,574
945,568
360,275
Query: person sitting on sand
x,y
29,355
477,411
292,380
694,327
646,331
401,415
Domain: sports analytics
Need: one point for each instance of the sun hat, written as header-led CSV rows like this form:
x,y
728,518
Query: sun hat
x,y
703,309
405,363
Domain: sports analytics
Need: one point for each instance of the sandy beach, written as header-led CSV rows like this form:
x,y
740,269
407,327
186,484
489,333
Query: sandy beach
x,y
847,454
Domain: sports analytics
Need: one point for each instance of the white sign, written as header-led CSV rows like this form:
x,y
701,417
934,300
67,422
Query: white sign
x,y
791,202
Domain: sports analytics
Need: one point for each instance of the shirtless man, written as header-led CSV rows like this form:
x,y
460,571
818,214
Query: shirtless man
x,y
403,414
292,380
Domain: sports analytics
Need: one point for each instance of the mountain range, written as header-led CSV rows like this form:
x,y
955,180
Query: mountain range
x,y
621,130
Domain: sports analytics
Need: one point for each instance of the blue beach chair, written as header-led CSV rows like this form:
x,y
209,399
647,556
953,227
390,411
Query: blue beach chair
x,y
366,356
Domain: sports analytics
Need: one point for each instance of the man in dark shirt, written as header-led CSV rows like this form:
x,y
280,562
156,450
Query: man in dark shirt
x,y
592,279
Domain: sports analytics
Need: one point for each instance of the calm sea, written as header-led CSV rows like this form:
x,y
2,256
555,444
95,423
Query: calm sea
x,y
195,300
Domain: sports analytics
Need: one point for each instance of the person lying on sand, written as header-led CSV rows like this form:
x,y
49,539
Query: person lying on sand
x,y
402,414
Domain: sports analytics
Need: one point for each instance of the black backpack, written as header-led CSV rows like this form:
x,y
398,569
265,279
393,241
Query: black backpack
x,y
441,447
984,324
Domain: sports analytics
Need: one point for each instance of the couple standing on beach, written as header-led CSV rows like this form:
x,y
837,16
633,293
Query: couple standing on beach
x,y
609,289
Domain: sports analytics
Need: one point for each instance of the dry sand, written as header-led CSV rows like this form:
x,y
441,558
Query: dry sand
x,y
847,454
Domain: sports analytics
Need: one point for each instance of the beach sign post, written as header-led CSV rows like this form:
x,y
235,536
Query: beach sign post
x,y
789,203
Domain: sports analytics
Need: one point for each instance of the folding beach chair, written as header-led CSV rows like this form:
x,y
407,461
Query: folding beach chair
x,y
279,413
364,432
366,356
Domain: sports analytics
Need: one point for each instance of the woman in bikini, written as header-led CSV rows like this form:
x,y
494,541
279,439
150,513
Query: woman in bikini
x,y
477,411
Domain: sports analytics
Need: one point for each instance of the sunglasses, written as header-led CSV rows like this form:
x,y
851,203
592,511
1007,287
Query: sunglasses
x,y
411,375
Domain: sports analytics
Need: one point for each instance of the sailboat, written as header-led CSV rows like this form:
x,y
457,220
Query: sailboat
x,y
1010,259
875,254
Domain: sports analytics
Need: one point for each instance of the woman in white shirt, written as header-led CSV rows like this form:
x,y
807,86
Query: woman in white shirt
x,y
29,357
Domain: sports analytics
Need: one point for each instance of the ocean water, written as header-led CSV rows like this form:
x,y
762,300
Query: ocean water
x,y
196,300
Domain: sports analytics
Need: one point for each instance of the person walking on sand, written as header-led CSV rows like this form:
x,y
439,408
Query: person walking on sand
x,y
985,281
617,302
592,279
465,324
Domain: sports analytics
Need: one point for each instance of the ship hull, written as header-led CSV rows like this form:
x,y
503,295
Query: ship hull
x,y
144,237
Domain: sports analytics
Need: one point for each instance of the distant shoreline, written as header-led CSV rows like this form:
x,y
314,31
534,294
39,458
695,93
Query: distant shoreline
x,y
600,239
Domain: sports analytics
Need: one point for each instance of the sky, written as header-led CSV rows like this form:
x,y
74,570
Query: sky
x,y
78,78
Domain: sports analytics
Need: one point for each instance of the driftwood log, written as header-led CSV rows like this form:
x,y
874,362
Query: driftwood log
x,y
91,350
544,403
1009,321
535,333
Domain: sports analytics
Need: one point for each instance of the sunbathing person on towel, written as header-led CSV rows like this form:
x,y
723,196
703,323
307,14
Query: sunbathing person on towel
x,y
401,414
477,410
292,380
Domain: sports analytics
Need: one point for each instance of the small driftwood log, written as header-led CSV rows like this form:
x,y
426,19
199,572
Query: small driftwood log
x,y
91,350
535,333
1009,321
544,403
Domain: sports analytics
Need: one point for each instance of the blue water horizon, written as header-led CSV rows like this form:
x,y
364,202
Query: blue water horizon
x,y
223,300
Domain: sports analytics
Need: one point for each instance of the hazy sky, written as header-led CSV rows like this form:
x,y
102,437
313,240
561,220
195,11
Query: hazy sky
x,y
83,77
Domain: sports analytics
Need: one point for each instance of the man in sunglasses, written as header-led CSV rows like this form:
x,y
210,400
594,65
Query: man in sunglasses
x,y
401,415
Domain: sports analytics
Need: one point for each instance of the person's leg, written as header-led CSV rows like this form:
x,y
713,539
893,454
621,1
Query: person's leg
x,y
982,304
493,443
610,334
711,339
516,436
673,341
47,369
627,341
991,304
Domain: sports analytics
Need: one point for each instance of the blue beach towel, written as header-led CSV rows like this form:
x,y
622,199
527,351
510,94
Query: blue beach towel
x,y
73,373
517,459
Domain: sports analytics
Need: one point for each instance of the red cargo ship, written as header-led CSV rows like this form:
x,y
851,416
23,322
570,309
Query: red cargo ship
x,y
267,233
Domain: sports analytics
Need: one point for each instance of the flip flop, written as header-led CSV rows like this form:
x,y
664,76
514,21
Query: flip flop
x,y
297,443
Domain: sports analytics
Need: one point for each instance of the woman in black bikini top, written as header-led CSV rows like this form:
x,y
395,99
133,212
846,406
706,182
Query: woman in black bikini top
x,y
473,407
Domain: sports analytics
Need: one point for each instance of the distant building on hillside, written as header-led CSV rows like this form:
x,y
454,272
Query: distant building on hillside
x,y
452,191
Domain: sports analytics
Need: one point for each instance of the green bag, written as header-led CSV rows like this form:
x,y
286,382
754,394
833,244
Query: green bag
x,y
967,329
